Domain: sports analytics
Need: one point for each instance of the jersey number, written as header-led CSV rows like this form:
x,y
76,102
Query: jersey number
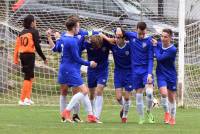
x,y
24,41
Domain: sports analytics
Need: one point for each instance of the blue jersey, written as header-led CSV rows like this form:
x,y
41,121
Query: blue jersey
x,y
166,62
122,56
69,49
141,53
100,55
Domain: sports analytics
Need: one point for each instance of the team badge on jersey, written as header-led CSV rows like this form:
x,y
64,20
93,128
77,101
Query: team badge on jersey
x,y
144,44
127,53
79,37
133,39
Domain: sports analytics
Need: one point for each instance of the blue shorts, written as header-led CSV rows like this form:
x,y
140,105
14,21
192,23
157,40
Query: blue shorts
x,y
123,79
95,77
71,78
139,80
163,82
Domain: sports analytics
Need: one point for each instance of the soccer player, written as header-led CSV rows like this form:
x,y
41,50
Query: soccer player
x,y
98,51
69,70
122,72
142,66
165,53
27,42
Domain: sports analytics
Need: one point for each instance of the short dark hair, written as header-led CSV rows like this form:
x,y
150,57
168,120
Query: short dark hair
x,y
71,22
167,30
28,21
141,25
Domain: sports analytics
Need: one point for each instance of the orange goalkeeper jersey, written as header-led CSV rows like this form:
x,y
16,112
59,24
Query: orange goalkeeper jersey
x,y
27,42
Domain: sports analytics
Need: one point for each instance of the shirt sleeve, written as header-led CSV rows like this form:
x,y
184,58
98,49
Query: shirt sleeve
x,y
170,53
130,35
57,47
75,54
36,39
150,57
16,51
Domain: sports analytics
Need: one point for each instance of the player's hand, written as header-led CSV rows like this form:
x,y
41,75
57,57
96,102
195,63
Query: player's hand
x,y
154,42
49,32
45,62
149,79
93,64
57,35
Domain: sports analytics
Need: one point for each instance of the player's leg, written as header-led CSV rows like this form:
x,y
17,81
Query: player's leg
x,y
92,84
127,103
118,89
172,102
83,97
76,108
102,77
30,76
92,97
120,100
162,85
128,85
138,85
63,99
149,98
25,62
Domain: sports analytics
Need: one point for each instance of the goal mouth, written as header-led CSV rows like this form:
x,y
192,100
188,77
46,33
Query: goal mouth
x,y
98,15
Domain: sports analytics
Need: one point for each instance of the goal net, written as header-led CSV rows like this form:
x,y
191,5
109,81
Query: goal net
x,y
102,15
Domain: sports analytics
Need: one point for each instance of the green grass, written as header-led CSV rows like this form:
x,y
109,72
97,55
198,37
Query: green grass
x,y
45,120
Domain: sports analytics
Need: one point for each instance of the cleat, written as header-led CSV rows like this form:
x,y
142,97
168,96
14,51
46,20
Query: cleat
x,y
124,120
98,121
172,121
23,103
63,119
150,117
91,119
121,113
76,118
166,118
141,120
28,101
66,115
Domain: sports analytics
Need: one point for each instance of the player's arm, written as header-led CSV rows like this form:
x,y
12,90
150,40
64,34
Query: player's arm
x,y
150,58
76,56
16,51
165,55
36,39
110,40
127,34
55,47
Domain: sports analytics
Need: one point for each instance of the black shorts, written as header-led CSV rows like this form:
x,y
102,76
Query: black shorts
x,y
28,64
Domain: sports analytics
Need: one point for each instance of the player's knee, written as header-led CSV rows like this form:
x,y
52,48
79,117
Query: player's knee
x,y
63,92
163,92
149,92
126,98
27,76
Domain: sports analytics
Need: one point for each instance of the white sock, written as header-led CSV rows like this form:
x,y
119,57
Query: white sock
x,y
140,104
87,105
98,106
76,108
63,103
126,108
93,105
74,100
172,107
121,101
149,98
164,103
